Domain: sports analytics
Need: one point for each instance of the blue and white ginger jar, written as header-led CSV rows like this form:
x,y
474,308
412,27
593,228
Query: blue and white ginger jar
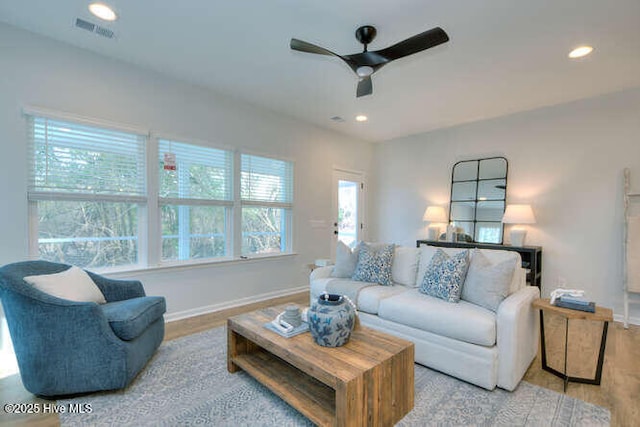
x,y
331,320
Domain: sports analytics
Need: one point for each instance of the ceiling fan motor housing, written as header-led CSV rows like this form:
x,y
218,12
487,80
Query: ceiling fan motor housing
x,y
366,34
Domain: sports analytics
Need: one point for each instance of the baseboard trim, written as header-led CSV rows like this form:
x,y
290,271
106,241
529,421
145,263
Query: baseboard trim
x,y
632,319
185,314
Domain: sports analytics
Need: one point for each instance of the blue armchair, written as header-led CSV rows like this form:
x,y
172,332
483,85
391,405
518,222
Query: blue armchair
x,y
67,347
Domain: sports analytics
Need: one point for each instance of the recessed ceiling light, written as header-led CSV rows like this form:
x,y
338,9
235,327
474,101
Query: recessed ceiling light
x,y
361,118
580,51
102,11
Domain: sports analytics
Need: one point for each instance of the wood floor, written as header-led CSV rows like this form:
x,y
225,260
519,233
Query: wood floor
x,y
619,391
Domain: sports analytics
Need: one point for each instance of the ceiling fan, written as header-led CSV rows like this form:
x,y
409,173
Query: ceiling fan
x,y
366,63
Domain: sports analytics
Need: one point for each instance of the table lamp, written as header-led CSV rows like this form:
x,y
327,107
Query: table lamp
x,y
518,215
436,216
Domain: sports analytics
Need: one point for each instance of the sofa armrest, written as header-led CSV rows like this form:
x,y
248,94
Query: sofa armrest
x,y
321,272
118,290
518,330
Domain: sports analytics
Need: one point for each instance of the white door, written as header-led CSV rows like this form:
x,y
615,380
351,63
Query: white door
x,y
347,222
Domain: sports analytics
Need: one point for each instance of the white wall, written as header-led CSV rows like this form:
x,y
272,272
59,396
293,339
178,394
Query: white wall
x,y
565,160
35,71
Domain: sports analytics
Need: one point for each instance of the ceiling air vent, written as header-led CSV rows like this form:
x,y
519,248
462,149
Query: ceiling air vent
x,y
337,119
85,25
97,29
104,32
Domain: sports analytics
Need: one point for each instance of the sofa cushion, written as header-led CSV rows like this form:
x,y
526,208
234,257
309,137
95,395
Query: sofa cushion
x,y
347,288
369,298
129,318
487,284
463,321
405,265
374,263
346,261
445,276
73,284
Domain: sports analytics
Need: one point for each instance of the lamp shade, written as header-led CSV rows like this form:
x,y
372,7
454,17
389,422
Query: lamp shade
x,y
518,214
435,214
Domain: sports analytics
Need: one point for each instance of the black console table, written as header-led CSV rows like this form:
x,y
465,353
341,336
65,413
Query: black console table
x,y
531,255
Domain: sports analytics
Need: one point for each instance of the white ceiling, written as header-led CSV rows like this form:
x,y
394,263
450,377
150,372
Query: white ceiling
x,y
504,55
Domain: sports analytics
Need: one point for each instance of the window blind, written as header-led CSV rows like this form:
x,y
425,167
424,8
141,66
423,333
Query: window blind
x,y
84,160
266,180
202,173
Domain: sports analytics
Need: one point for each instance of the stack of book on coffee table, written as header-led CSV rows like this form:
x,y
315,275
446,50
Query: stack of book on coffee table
x,y
575,303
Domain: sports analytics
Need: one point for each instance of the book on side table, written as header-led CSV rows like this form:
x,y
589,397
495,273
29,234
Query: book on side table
x,y
575,303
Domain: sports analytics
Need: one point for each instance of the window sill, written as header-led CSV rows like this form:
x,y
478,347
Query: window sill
x,y
123,272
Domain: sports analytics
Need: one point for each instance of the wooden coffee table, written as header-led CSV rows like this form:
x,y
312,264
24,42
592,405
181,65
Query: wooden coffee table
x,y
369,381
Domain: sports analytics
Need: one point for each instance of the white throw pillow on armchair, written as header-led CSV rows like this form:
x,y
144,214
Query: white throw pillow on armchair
x,y
73,284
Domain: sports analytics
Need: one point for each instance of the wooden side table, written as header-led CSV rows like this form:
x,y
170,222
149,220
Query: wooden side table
x,y
601,314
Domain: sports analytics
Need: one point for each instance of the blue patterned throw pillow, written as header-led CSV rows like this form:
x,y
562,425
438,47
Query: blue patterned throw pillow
x,y
445,275
374,264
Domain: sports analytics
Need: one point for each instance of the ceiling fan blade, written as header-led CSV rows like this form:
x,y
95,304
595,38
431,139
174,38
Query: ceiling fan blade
x,y
365,87
303,46
417,43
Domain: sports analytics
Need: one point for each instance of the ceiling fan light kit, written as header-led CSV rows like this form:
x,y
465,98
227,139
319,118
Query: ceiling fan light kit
x,y
366,63
364,71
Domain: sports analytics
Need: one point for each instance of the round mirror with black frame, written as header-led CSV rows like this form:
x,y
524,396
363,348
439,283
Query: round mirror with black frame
x,y
478,199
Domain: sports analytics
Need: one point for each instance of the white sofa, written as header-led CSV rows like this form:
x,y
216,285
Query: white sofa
x,y
461,339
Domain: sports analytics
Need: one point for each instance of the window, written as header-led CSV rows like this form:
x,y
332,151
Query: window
x,y
266,192
196,199
87,189
90,204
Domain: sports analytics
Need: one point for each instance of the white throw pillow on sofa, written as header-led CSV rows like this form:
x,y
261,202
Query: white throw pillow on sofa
x,y
487,284
498,256
73,284
405,265
346,261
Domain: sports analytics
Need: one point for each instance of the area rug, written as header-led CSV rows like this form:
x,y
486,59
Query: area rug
x,y
187,383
